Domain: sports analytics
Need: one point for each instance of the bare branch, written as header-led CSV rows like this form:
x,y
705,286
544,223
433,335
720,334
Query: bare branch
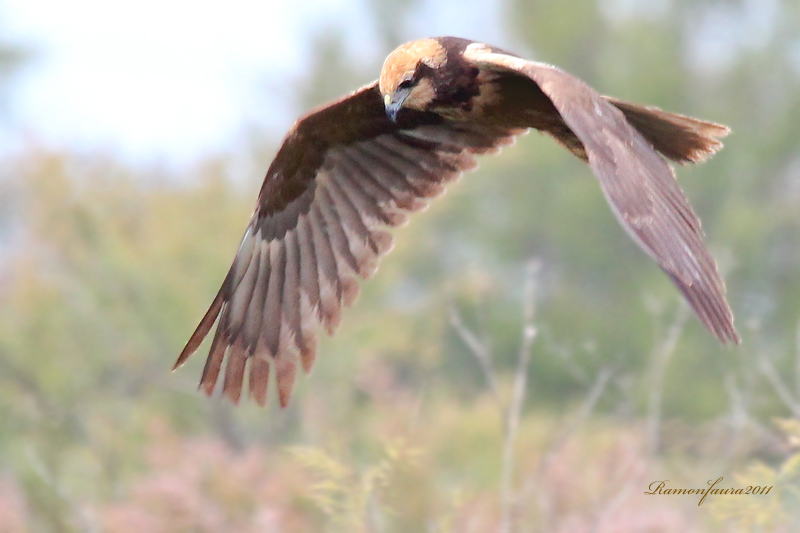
x,y
514,411
608,507
660,359
767,369
511,411
75,513
479,350
586,408
575,370
738,415
542,496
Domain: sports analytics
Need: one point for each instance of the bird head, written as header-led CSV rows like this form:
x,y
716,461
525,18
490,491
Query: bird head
x,y
408,78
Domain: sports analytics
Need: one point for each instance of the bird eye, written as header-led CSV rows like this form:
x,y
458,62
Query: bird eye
x,y
405,84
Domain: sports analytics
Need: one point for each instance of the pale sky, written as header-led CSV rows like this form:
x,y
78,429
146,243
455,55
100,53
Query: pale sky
x,y
170,80
152,78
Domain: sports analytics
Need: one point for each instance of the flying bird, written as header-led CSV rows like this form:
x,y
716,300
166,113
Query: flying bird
x,y
349,169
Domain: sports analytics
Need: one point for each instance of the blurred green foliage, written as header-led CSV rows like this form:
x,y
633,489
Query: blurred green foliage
x,y
774,490
113,265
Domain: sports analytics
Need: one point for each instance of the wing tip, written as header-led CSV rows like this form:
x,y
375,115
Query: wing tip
x,y
185,354
710,306
202,329
729,335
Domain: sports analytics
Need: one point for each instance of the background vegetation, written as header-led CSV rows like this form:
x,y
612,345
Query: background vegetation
x,y
516,365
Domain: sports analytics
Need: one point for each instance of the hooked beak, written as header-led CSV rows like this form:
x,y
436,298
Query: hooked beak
x,y
394,102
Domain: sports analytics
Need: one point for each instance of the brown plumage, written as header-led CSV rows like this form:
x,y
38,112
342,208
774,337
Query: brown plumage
x,y
351,168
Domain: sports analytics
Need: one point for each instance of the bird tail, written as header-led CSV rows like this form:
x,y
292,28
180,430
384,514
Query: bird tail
x,y
677,137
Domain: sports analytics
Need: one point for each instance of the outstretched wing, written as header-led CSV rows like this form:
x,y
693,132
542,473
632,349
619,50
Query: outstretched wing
x,y
343,174
638,183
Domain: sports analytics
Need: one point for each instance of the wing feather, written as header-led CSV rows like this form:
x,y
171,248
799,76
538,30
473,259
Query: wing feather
x,y
272,323
397,180
328,275
255,309
340,248
291,289
369,203
337,231
234,371
363,250
259,379
309,276
216,355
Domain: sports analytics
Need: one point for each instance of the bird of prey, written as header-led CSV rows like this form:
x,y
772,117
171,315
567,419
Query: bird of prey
x,y
351,168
